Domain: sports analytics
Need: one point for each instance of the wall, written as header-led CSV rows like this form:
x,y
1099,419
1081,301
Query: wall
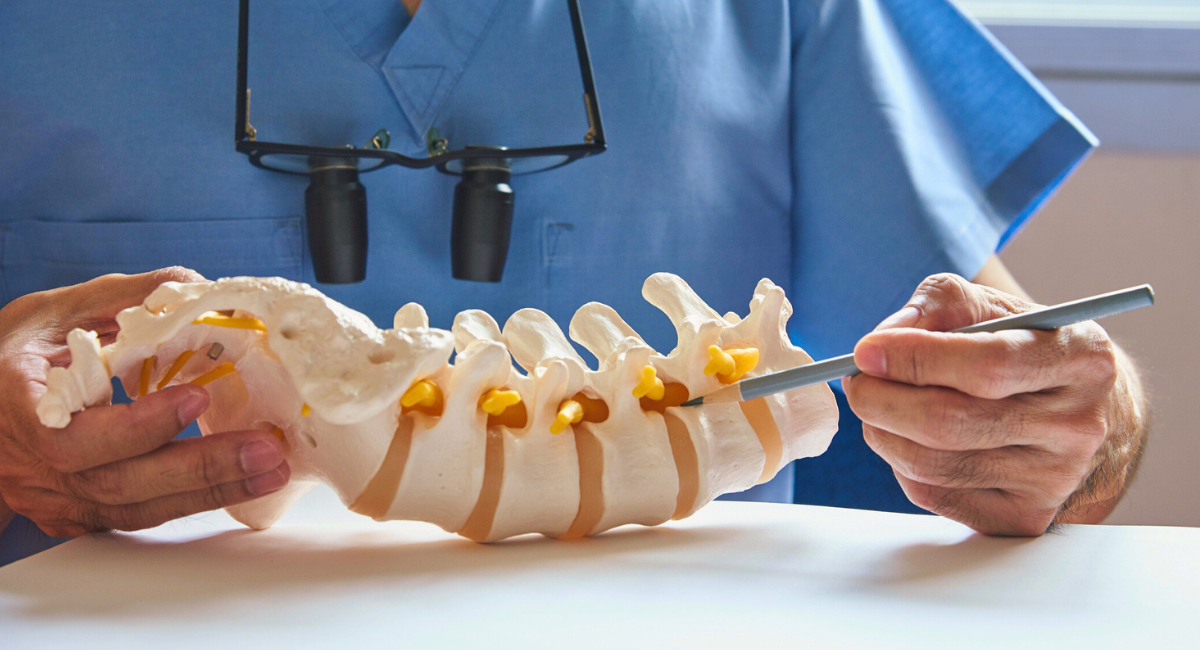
x,y
1130,215
1126,219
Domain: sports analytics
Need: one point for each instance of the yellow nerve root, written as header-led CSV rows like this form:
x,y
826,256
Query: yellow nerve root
x,y
496,401
147,372
305,411
214,374
569,413
730,365
180,361
422,393
650,386
221,320
746,360
720,363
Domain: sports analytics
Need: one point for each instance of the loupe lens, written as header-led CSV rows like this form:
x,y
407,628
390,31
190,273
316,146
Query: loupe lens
x,y
482,223
335,205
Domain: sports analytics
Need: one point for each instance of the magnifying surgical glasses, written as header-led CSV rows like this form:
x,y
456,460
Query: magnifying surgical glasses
x,y
335,202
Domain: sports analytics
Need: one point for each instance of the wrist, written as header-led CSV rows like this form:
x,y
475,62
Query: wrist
x,y
1116,462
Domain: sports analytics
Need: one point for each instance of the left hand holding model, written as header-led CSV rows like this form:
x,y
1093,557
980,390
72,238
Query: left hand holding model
x,y
1007,432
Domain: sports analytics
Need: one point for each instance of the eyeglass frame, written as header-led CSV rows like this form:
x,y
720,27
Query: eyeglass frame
x,y
246,141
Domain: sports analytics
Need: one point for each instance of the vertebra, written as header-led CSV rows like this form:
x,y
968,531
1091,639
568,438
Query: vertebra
x,y
478,447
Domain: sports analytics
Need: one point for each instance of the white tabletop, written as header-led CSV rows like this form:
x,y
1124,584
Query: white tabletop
x,y
734,575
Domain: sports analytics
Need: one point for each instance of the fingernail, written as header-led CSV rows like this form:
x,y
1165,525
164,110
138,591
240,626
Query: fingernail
x,y
259,457
266,483
906,317
191,408
870,359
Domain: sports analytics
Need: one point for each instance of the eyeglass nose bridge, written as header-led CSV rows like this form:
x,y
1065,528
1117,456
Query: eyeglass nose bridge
x,y
335,195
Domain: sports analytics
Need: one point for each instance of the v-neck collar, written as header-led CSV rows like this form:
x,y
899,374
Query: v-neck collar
x,y
370,27
421,61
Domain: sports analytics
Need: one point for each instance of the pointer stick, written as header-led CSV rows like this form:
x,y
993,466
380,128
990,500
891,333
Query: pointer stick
x,y
1049,318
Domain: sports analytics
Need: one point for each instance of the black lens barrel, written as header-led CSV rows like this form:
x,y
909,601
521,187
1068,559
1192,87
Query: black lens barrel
x,y
482,221
335,205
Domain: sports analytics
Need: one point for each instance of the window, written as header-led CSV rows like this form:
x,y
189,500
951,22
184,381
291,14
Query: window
x,y
1095,12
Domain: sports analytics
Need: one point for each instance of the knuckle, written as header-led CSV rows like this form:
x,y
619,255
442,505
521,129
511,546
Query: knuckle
x,y
104,484
951,469
949,501
1060,481
1099,354
135,516
946,419
54,455
906,465
100,282
921,367
80,514
919,494
1081,432
921,467
994,378
176,274
206,467
945,283
126,518
223,495
1007,365
1092,428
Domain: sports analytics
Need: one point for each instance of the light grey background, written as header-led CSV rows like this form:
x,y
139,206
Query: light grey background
x,y
1130,213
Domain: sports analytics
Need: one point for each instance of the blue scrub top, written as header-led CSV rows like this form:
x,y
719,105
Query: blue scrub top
x,y
846,149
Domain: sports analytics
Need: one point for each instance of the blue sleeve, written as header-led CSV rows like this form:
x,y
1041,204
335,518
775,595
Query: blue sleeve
x,y
919,146
21,538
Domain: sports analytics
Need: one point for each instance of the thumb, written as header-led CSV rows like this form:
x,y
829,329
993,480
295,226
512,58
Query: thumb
x,y
103,434
945,302
102,297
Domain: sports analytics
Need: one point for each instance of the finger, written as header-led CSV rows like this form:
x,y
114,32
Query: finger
x,y
945,419
155,512
104,434
987,365
102,297
1016,469
989,511
945,302
180,466
55,513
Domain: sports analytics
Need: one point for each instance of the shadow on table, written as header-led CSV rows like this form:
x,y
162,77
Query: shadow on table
x,y
133,576
1018,571
923,562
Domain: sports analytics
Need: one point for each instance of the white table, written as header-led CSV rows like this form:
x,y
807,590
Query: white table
x,y
735,575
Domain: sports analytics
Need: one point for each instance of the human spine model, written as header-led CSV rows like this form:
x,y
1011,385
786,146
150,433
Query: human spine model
x,y
477,447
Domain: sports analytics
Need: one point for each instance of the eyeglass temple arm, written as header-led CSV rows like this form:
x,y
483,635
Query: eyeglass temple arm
x,y
241,118
595,126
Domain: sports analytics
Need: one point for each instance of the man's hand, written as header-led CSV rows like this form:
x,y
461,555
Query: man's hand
x,y
1007,432
113,466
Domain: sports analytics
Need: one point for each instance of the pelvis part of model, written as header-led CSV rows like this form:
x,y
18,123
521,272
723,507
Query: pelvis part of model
x,y
476,447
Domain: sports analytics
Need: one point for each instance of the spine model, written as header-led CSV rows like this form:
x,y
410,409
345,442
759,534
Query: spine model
x,y
478,447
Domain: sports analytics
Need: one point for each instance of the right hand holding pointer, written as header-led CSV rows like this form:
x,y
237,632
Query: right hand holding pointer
x,y
114,466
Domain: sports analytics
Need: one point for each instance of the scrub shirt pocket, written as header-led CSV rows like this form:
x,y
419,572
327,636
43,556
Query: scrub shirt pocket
x,y
40,255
